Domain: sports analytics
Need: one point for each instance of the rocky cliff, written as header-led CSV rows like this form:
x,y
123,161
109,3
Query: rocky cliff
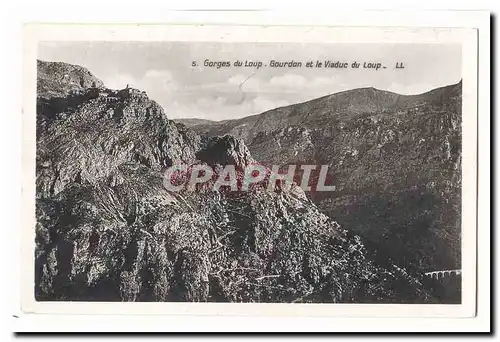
x,y
107,229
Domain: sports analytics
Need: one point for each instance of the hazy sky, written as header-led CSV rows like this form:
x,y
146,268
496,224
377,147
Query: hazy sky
x,y
164,70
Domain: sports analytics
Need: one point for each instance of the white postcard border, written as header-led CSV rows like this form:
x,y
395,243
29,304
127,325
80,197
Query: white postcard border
x,y
468,37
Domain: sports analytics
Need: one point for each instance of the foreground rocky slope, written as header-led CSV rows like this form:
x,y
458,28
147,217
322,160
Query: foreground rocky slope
x,y
107,229
395,161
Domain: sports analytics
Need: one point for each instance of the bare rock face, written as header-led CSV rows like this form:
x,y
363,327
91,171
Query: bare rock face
x,y
226,150
56,79
108,230
103,129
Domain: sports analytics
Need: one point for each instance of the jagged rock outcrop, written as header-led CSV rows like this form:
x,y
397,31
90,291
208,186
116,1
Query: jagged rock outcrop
x,y
107,229
56,79
85,137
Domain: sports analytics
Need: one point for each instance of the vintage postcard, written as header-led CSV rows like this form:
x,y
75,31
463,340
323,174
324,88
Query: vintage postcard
x,y
306,171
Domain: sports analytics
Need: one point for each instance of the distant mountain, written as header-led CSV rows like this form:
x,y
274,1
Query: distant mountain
x,y
395,161
343,106
194,122
108,230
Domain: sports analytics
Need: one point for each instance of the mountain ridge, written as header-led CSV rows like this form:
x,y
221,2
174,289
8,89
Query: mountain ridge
x,y
345,105
333,96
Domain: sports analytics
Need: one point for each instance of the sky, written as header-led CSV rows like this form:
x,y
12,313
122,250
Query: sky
x,y
165,71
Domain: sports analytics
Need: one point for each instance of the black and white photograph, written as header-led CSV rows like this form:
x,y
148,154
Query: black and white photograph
x,y
248,172
318,170
265,171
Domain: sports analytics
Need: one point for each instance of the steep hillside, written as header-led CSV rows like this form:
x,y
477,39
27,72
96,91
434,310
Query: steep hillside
x,y
107,229
395,161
